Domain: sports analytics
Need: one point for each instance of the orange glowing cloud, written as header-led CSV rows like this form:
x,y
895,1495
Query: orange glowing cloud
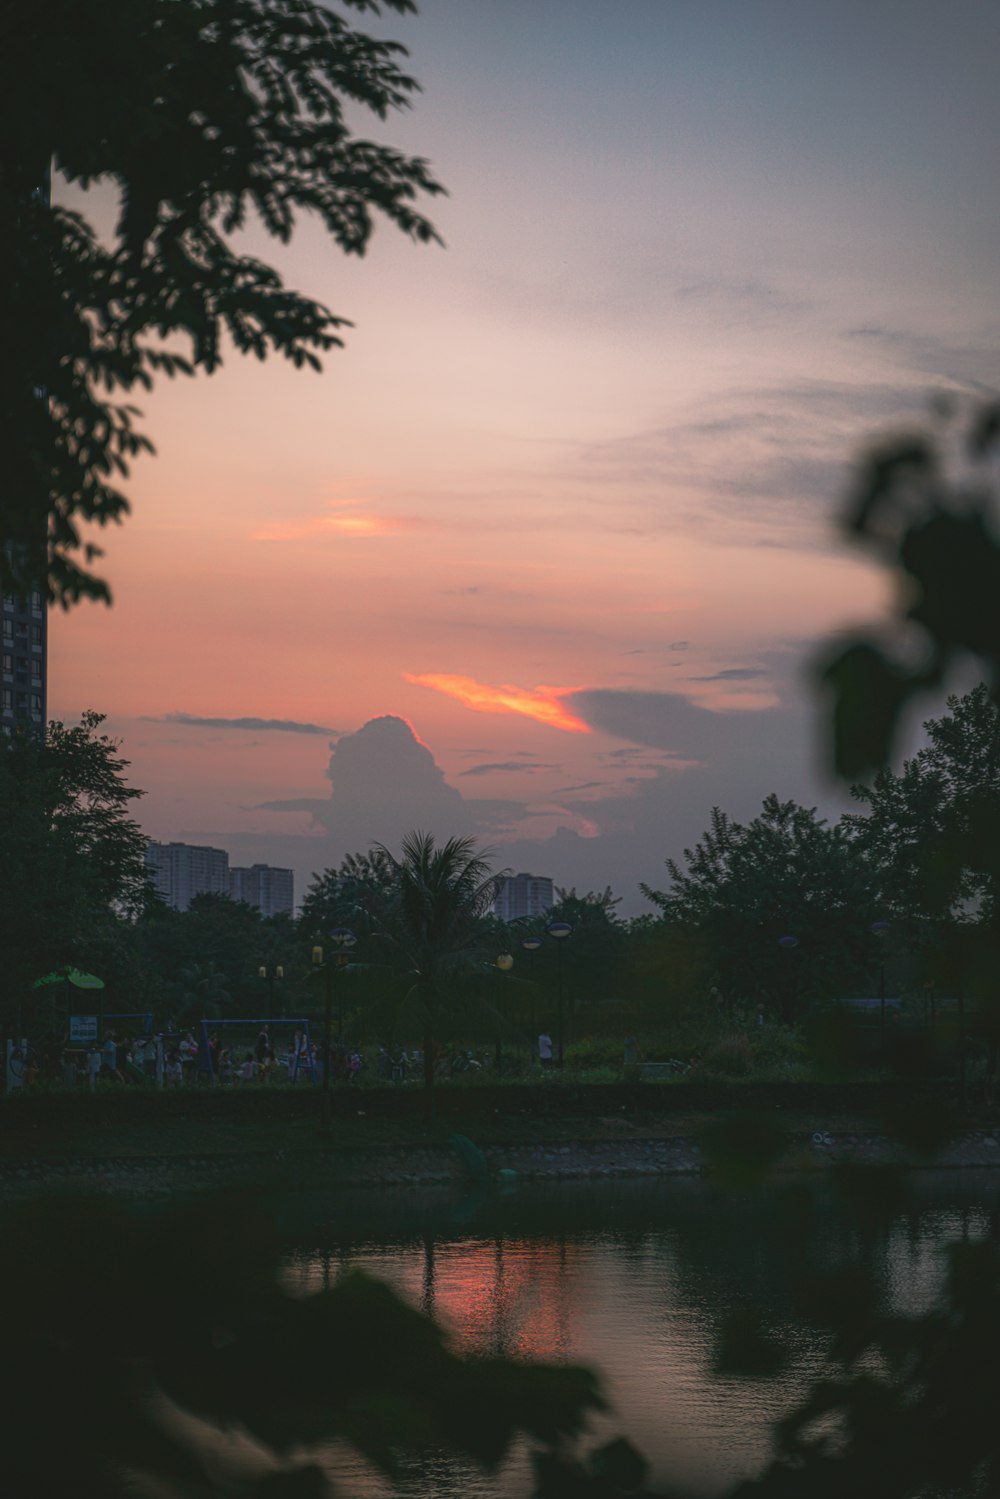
x,y
541,703
331,525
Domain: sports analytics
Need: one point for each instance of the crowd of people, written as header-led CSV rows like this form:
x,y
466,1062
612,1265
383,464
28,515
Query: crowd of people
x,y
182,1058
177,1059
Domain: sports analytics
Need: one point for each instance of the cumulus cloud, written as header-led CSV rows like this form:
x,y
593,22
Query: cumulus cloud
x,y
277,725
384,782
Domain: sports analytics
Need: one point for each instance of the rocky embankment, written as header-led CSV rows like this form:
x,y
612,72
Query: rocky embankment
x,y
153,1175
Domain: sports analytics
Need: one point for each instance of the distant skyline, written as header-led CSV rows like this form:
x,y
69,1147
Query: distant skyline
x,y
545,552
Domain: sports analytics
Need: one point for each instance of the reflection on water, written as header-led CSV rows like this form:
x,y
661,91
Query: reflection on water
x,y
635,1278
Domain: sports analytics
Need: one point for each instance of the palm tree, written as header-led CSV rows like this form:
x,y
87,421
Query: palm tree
x,y
440,897
205,994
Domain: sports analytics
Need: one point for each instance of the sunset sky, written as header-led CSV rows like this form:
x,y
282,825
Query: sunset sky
x,y
558,519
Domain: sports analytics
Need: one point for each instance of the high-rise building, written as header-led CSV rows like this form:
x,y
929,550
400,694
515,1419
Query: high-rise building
x,y
523,895
25,642
180,871
270,890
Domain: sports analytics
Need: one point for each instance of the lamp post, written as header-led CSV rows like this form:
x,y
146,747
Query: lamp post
x,y
789,943
343,940
878,929
269,972
532,944
559,930
505,963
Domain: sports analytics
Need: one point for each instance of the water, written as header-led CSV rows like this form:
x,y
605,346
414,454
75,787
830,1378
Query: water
x,y
635,1278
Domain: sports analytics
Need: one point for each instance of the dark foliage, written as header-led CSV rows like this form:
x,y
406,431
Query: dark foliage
x,y
161,1353
203,115
924,504
781,908
73,857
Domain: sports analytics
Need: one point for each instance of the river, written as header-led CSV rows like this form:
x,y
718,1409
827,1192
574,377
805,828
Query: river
x,y
635,1278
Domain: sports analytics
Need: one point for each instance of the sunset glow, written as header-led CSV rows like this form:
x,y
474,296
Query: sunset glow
x,y
691,266
329,525
541,703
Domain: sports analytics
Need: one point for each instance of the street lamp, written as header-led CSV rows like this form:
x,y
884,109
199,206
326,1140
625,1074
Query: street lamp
x,y
269,972
878,929
505,963
559,930
788,943
343,940
532,944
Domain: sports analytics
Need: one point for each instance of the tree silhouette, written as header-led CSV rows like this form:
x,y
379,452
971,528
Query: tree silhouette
x,y
436,913
200,114
72,854
924,504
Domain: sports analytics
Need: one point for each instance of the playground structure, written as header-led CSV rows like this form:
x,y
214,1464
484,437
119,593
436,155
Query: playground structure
x,y
303,1055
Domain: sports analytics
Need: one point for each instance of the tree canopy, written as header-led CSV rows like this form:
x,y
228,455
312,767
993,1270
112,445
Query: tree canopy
x,y
202,115
73,856
782,904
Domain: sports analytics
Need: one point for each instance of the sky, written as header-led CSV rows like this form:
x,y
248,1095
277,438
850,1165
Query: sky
x,y
548,552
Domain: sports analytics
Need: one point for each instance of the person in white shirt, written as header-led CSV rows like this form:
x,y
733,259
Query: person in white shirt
x,y
545,1049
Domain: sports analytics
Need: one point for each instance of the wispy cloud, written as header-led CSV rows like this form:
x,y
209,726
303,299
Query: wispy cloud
x,y
771,459
733,293
506,765
733,674
580,786
973,363
543,704
277,725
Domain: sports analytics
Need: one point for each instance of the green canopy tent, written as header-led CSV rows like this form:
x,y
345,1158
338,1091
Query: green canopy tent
x,y
73,976
84,1030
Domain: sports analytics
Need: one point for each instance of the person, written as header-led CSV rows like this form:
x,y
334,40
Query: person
x,y
94,1060
263,1045
110,1055
30,1066
110,1051
354,1066
188,1052
248,1068
146,1051
123,1056
633,1056
545,1049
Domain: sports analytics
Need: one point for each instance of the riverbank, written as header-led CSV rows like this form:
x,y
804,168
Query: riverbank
x,y
177,1163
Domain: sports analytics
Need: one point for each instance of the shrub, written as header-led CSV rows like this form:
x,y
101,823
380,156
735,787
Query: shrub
x,y
729,1056
595,1052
